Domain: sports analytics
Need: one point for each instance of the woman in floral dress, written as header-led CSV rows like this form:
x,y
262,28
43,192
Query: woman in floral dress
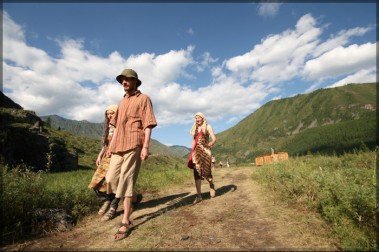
x,y
98,180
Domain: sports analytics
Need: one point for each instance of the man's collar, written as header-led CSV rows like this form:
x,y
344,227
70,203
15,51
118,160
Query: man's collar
x,y
136,93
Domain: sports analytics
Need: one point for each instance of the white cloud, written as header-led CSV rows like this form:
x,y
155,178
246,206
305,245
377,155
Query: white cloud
x,y
300,52
158,70
268,9
342,38
362,76
206,61
280,56
11,30
232,120
80,85
340,61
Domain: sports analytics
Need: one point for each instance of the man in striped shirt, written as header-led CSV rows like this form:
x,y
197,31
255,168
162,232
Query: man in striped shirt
x,y
134,121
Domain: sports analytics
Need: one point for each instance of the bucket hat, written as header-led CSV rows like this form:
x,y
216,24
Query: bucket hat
x,y
129,73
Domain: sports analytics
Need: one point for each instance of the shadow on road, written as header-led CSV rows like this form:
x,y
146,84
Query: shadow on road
x,y
175,201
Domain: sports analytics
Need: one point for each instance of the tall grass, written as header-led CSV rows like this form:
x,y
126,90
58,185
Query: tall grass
x,y
342,189
25,191
21,190
160,172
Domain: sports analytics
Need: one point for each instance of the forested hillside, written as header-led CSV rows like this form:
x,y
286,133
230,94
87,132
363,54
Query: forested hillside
x,y
328,121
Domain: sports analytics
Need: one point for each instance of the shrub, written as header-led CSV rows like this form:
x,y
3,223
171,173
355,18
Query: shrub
x,y
20,196
25,191
342,189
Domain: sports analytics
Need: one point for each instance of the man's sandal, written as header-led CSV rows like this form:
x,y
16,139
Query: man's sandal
x,y
136,203
120,235
109,215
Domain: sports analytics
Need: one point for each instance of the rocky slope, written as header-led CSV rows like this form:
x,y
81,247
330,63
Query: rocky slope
x,y
25,140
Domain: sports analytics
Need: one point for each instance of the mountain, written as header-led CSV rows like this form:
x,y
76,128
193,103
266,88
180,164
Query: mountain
x,y
25,140
81,128
7,102
327,121
158,148
181,150
95,131
174,151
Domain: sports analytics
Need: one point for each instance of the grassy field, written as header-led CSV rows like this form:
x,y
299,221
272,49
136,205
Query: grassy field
x,y
25,191
341,188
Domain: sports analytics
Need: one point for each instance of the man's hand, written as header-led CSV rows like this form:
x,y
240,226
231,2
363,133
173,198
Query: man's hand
x,y
144,153
109,153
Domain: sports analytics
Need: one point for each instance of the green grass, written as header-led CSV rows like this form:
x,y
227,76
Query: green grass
x,y
25,191
342,189
86,148
160,172
20,193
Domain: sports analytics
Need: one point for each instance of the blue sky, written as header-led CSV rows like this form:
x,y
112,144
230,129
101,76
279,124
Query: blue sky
x,y
223,59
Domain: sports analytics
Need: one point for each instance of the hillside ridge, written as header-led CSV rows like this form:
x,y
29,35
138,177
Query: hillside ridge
x,y
280,124
95,130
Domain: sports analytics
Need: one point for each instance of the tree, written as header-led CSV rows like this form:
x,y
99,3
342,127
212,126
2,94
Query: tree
x,y
48,122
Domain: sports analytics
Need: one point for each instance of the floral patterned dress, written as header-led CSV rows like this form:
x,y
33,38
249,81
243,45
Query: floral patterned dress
x,y
98,179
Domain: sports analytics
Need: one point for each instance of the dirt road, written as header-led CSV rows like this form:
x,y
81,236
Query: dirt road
x,y
242,216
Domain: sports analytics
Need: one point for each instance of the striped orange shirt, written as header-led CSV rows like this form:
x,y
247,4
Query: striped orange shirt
x,y
134,114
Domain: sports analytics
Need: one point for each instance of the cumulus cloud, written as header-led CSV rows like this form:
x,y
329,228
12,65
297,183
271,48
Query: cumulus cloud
x,y
78,84
72,85
340,61
362,76
159,70
343,37
279,57
300,52
206,62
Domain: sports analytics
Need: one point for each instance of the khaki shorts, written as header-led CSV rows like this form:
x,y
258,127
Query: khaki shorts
x,y
123,172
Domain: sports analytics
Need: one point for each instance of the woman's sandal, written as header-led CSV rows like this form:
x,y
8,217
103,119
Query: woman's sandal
x,y
109,215
197,200
104,208
120,235
212,191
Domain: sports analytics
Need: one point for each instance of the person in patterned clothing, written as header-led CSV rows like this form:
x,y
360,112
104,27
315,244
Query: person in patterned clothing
x,y
98,180
202,155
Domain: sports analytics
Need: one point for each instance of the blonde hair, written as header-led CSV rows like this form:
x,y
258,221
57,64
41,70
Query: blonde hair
x,y
112,107
203,126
